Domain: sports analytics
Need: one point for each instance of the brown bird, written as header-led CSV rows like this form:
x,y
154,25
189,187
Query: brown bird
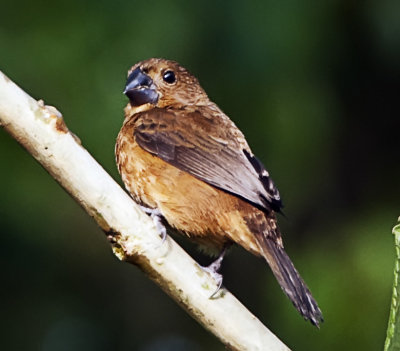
x,y
186,162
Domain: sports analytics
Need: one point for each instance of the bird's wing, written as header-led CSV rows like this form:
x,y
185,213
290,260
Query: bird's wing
x,y
194,142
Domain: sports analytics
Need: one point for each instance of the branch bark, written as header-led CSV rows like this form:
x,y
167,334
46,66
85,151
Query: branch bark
x,y
42,131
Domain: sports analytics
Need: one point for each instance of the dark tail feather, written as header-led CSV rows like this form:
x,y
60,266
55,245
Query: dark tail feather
x,y
290,281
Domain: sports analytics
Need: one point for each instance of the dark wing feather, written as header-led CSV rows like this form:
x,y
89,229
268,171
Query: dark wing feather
x,y
195,144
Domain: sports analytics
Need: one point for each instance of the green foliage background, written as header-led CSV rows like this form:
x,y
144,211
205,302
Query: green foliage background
x,y
315,88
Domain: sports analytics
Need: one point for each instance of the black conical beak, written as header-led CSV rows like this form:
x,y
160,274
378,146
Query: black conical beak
x,y
140,89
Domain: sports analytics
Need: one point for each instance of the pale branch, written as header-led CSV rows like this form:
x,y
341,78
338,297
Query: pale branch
x,y
42,131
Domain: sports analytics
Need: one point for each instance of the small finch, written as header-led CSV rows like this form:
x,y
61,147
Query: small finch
x,y
187,163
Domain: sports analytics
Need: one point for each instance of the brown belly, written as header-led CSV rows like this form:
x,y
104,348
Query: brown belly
x,y
207,214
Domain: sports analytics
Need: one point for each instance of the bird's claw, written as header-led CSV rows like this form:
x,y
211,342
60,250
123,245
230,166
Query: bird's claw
x,y
156,216
160,227
217,277
213,269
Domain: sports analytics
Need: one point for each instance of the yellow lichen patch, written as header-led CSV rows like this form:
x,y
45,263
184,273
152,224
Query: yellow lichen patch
x,y
205,286
119,252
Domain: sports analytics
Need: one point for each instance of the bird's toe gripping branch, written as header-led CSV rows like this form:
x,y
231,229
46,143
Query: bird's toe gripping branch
x,y
156,216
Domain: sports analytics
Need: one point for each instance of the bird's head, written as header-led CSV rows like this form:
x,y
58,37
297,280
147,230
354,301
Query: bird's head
x,y
162,83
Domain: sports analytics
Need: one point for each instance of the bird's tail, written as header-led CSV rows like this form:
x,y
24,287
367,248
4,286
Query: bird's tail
x,y
289,279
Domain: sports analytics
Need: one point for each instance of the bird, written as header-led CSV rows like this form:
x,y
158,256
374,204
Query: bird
x,y
186,163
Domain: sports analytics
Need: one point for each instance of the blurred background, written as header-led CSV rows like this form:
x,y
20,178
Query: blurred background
x,y
315,88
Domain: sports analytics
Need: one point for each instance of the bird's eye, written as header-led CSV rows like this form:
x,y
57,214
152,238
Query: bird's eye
x,y
169,77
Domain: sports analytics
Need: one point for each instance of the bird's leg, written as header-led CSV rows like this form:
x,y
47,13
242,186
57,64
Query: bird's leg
x,y
214,267
156,216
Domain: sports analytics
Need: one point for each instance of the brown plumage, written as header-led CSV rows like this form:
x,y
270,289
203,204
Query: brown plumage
x,y
177,152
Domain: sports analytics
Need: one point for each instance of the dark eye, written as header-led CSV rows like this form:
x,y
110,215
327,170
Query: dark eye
x,y
169,77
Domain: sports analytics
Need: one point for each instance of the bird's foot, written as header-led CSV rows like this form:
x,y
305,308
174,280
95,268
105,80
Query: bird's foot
x,y
216,276
156,216
213,269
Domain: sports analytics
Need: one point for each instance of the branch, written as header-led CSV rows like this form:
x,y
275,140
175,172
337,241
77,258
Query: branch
x,y
42,131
